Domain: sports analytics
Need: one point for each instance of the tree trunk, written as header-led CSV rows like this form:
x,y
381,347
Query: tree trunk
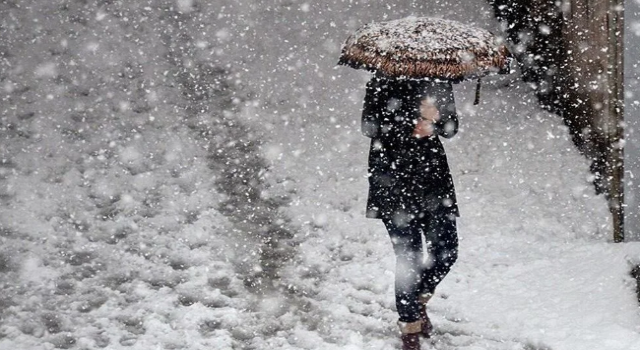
x,y
571,51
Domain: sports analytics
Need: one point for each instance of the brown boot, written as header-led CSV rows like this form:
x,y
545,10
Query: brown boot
x,y
427,327
410,334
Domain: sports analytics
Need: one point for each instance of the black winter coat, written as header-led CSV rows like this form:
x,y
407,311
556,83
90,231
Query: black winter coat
x,y
408,176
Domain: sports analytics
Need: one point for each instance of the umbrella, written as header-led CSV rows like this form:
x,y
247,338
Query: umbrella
x,y
423,47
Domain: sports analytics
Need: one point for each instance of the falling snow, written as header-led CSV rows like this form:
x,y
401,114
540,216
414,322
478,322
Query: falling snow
x,y
184,174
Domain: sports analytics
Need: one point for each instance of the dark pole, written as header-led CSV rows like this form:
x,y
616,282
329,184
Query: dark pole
x,y
615,132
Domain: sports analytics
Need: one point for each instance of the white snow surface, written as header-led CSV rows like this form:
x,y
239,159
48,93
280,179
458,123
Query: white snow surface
x,y
116,229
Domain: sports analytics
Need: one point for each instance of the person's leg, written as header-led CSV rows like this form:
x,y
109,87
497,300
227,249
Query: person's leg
x,y
407,245
443,252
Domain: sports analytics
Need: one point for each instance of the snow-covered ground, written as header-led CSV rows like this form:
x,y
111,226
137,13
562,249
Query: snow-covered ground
x,y
148,147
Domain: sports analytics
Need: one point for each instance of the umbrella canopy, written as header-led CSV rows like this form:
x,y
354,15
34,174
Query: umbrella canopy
x,y
422,47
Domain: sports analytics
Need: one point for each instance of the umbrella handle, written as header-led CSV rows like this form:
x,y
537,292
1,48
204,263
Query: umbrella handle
x,y
477,100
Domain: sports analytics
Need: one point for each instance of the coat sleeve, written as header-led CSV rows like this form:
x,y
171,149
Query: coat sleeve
x,y
447,126
370,126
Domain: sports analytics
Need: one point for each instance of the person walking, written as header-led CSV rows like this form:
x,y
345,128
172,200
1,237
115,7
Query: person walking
x,y
411,189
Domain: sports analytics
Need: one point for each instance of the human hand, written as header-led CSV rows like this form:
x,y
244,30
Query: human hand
x,y
428,110
428,116
424,128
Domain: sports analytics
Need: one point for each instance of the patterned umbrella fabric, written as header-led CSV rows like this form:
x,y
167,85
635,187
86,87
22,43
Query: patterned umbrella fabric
x,y
422,47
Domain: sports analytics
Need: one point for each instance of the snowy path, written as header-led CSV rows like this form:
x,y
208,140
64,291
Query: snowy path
x,y
535,270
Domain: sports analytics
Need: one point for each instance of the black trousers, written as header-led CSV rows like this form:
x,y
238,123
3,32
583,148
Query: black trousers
x,y
419,272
